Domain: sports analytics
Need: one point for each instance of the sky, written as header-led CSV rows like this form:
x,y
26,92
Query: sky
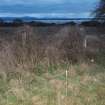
x,y
48,8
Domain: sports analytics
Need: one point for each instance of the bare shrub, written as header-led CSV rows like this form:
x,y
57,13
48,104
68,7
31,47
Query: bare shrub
x,y
27,49
7,60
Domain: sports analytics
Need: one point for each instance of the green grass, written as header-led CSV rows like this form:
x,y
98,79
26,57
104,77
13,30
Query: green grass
x,y
86,86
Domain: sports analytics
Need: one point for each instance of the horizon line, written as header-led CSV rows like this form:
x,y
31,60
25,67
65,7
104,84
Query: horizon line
x,y
36,18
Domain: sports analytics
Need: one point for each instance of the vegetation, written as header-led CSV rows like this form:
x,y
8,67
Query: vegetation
x,y
100,11
86,85
49,66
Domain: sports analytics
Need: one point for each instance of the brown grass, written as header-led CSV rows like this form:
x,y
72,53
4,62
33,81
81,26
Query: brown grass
x,y
33,64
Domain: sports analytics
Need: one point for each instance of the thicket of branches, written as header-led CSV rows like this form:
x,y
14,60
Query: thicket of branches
x,y
100,10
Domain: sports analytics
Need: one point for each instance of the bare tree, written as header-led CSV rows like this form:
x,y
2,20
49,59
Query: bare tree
x,y
100,10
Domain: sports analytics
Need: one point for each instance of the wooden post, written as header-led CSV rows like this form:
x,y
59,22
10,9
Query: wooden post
x,y
66,83
85,43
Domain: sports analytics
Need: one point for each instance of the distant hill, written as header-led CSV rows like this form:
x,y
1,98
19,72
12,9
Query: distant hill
x,y
28,19
10,19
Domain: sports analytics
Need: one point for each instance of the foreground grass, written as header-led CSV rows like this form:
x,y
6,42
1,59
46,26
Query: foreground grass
x,y
86,86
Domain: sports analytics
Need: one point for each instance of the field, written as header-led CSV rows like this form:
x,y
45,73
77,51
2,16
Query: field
x,y
85,85
51,66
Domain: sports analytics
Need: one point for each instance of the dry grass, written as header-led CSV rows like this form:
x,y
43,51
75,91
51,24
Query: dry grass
x,y
32,70
27,88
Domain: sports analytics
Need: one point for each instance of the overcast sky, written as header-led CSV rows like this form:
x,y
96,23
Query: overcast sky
x,y
47,8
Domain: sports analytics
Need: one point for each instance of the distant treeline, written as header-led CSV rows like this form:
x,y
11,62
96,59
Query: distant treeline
x,y
20,22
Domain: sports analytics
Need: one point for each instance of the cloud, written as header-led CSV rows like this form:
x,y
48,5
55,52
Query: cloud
x,y
29,2
57,8
54,8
